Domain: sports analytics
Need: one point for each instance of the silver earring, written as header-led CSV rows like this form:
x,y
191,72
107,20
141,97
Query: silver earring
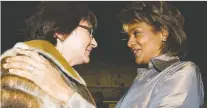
x,y
164,39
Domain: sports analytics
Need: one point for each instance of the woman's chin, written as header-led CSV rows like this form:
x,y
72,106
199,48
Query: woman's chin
x,y
138,60
86,60
79,62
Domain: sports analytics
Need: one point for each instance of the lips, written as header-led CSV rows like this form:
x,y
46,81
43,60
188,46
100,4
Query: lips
x,y
89,50
135,51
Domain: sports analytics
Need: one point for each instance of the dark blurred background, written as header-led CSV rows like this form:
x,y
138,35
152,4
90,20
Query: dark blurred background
x,y
112,67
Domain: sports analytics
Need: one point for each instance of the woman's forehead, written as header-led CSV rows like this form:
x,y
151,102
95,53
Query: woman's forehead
x,y
134,25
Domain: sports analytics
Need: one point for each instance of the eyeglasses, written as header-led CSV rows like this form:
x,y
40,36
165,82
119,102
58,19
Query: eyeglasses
x,y
90,30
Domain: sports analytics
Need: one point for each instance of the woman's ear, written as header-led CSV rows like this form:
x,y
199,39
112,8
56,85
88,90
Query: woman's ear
x,y
60,36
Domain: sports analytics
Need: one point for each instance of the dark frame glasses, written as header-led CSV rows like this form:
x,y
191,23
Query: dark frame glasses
x,y
87,28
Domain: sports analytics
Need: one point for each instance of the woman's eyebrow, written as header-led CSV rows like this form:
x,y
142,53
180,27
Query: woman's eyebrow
x,y
135,28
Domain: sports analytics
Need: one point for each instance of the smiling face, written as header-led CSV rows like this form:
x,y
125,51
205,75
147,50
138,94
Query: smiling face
x,y
143,41
77,46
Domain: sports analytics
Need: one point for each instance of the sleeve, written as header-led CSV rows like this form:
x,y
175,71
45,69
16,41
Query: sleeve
x,y
77,101
183,89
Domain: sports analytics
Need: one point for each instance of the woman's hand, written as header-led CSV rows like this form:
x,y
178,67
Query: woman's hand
x,y
35,67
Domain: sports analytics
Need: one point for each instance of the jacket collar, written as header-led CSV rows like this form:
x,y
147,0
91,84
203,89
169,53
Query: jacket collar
x,y
47,49
162,62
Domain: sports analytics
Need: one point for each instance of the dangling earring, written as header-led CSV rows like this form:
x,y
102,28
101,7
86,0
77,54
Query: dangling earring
x,y
163,39
60,45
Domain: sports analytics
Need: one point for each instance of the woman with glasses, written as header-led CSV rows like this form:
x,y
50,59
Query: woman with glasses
x,y
59,35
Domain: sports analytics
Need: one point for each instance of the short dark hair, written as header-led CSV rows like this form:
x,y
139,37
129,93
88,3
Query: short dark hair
x,y
160,15
57,16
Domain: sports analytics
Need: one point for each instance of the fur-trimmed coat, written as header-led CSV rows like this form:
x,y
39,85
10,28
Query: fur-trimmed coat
x,y
47,50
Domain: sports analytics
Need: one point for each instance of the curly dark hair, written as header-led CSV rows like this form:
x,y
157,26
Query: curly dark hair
x,y
160,15
57,16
